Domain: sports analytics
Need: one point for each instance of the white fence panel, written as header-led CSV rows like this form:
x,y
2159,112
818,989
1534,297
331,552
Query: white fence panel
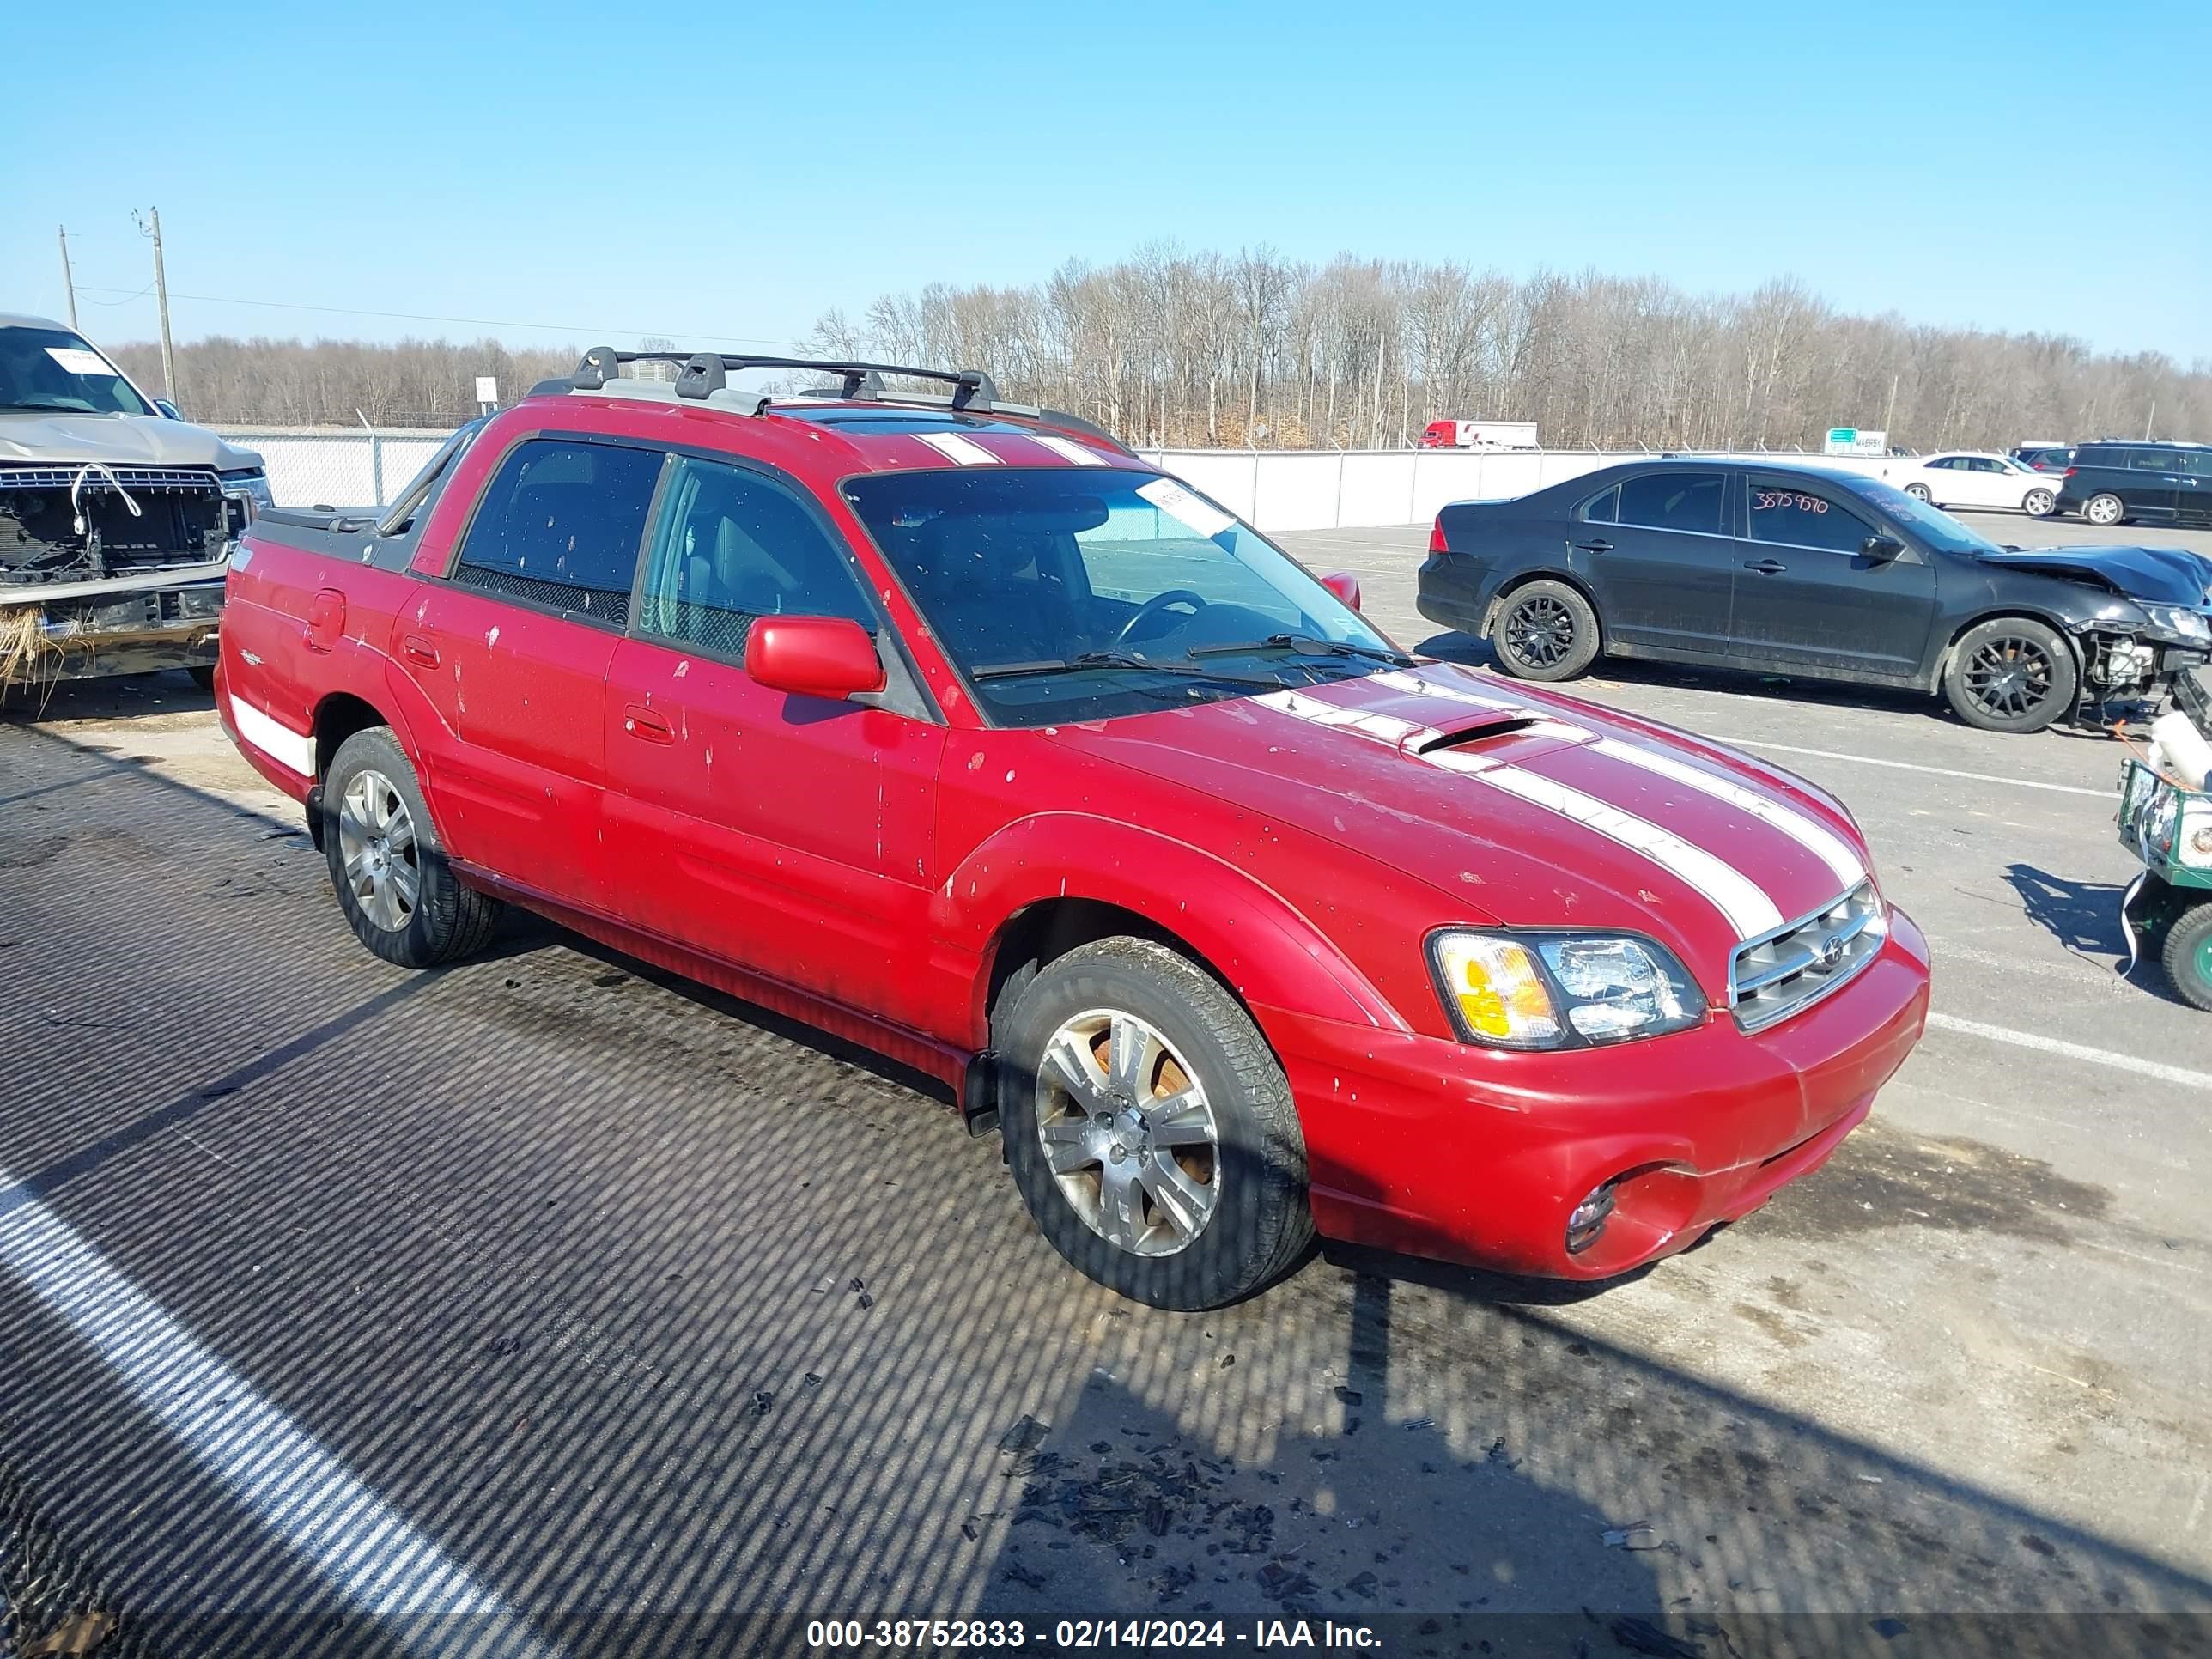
x,y
1272,489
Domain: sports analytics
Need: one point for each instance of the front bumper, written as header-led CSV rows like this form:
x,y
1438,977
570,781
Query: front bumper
x,y
117,630
1442,1149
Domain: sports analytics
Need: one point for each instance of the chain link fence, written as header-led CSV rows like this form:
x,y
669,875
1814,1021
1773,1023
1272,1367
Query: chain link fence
x,y
338,466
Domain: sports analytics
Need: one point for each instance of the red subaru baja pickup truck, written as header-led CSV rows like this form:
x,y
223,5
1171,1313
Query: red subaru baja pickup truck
x,y
954,728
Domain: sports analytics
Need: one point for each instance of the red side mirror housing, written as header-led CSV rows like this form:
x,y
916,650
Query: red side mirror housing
x,y
1345,586
830,657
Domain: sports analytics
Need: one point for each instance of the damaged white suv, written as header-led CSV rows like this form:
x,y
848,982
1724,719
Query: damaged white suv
x,y
116,517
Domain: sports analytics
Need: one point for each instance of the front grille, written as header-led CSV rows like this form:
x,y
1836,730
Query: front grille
x,y
1774,977
130,477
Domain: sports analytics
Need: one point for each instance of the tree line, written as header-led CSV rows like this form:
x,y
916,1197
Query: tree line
x,y
1170,348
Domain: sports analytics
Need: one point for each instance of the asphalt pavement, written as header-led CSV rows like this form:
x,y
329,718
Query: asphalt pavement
x,y
546,1303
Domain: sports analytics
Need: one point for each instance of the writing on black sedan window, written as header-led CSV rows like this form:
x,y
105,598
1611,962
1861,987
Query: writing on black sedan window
x,y
1800,519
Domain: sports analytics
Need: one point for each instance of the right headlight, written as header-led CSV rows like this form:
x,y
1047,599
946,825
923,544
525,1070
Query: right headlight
x,y
1560,990
2178,620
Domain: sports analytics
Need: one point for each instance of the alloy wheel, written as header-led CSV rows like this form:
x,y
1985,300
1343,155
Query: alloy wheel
x,y
2009,677
2039,503
377,849
1128,1133
1540,631
2104,509
1918,492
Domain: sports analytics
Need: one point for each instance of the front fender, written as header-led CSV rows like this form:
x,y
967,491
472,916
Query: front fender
x,y
1269,953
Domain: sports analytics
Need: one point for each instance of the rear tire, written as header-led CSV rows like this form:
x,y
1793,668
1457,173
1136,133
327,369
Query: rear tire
x,y
1545,630
2105,510
2010,674
394,885
2039,503
1150,1128
1919,493
2187,957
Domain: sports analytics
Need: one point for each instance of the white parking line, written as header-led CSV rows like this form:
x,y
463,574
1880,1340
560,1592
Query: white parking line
x,y
2176,1074
270,1465
1908,766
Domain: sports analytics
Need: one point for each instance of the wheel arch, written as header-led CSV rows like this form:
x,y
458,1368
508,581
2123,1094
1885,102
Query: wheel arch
x,y
2010,612
1017,895
1565,578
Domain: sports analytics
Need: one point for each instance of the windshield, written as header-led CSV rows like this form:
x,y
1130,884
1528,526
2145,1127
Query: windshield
x,y
1078,594
51,368
1932,523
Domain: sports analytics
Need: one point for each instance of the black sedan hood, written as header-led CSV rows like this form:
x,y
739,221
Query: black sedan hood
x,y
2164,575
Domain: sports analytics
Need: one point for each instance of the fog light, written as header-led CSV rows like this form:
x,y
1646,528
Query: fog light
x,y
1589,1219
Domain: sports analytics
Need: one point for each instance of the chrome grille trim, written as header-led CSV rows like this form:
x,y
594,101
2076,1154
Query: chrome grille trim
x,y
1787,970
96,477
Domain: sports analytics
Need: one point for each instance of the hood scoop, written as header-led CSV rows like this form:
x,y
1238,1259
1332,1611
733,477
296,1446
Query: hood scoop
x,y
1480,730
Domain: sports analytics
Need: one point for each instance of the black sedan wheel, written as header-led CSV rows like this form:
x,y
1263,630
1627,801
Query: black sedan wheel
x,y
2011,675
1544,631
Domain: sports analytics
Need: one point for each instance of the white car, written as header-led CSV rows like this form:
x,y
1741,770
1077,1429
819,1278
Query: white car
x,y
1979,478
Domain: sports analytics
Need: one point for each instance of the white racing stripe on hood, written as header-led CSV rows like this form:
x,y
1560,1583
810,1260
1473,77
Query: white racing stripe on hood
x,y
1735,895
1829,847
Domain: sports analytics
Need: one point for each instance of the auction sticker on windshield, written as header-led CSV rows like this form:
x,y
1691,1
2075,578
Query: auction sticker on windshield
x,y
1179,504
78,360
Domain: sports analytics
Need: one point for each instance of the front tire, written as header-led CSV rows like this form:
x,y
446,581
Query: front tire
x,y
2010,674
2187,957
1150,1128
1545,630
394,885
2039,503
2105,510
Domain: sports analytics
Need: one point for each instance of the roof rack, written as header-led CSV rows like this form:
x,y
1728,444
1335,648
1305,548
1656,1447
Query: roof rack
x,y
702,373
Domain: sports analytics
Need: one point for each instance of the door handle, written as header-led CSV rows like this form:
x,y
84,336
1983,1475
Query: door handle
x,y
1595,547
641,722
1765,566
416,648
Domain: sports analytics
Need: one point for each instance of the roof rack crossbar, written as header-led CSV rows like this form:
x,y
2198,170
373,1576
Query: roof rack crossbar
x,y
971,387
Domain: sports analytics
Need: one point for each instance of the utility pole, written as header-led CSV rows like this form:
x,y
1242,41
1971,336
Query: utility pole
x,y
161,294
1889,416
2150,420
68,282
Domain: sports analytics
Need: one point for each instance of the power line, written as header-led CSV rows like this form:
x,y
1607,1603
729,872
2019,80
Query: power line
x,y
477,322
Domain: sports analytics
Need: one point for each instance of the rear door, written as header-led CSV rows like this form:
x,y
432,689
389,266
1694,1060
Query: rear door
x,y
511,650
2154,483
1662,559
2192,495
1809,595
789,834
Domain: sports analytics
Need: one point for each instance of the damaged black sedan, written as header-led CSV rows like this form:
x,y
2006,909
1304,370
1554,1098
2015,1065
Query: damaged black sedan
x,y
116,517
1813,572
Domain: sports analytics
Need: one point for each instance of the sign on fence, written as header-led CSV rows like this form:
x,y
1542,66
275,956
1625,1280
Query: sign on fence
x,y
1850,441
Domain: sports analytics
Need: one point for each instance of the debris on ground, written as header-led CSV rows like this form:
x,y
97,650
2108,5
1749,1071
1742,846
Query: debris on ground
x,y
79,1634
1642,1636
1640,1536
1025,1436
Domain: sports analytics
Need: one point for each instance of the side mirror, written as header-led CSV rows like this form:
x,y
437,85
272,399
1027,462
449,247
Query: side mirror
x,y
1345,586
829,657
167,409
1881,549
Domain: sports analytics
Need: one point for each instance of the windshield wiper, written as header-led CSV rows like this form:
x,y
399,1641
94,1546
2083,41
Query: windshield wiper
x,y
1306,645
1118,660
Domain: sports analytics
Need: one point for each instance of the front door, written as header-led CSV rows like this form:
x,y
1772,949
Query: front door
x,y
511,651
787,833
1808,594
1662,560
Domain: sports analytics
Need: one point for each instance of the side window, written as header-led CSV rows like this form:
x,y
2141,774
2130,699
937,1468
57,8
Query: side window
x,y
733,546
1944,463
2196,462
1779,513
1603,508
1674,501
2153,460
560,526
1983,463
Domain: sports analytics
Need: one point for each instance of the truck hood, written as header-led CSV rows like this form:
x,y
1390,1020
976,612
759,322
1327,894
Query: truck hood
x,y
41,436
2164,575
1519,808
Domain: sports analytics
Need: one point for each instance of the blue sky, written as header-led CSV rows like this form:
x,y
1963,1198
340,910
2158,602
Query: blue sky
x,y
727,172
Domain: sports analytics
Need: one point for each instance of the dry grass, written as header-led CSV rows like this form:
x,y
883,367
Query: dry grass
x,y
27,654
